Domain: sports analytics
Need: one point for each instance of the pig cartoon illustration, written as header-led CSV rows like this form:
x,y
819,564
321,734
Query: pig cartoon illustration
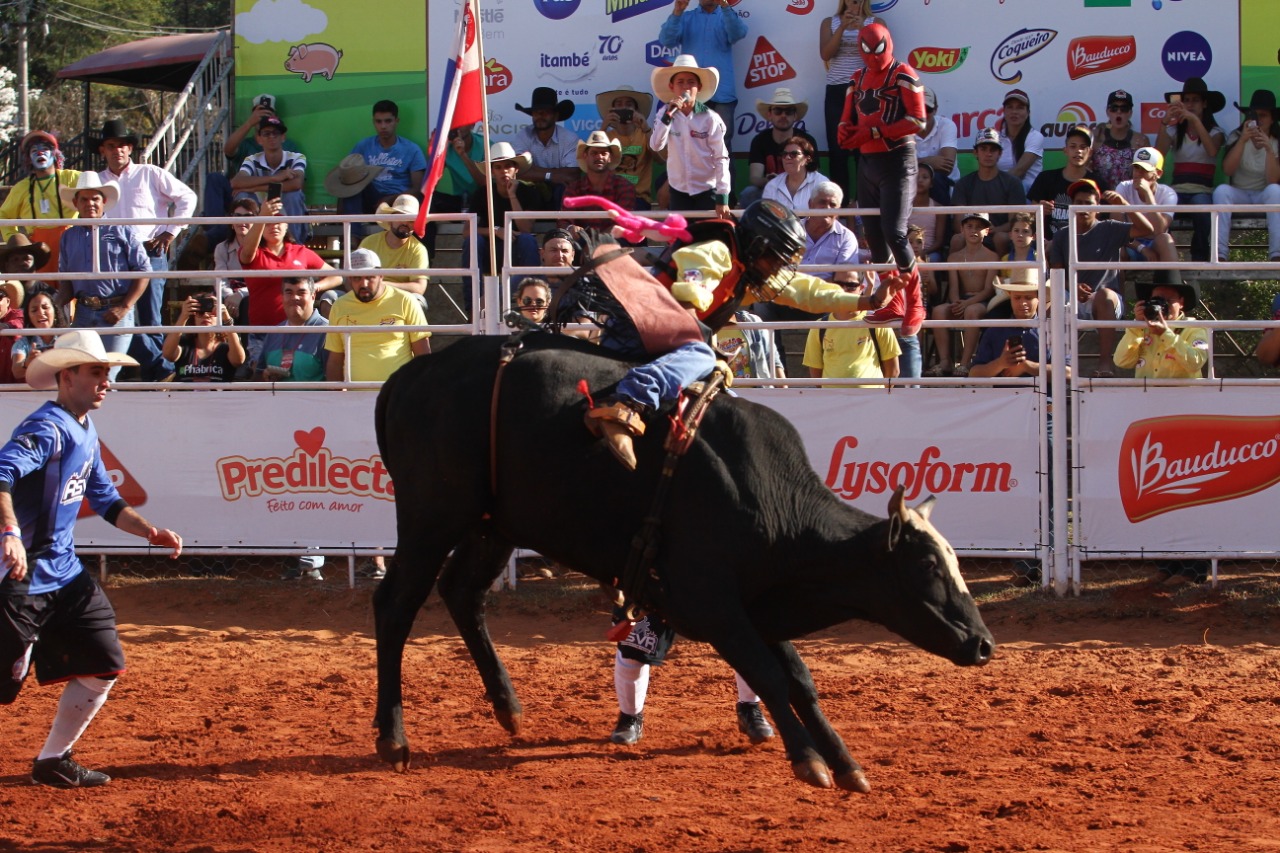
x,y
311,59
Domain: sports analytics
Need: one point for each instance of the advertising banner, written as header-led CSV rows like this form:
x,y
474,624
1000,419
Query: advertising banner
x,y
1174,473
301,469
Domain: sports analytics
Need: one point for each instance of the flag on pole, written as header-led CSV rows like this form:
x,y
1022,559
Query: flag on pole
x,y
461,104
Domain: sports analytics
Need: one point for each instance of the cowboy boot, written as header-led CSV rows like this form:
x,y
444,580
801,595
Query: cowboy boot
x,y
619,421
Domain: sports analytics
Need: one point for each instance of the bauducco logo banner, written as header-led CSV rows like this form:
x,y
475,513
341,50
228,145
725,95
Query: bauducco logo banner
x,y
1181,461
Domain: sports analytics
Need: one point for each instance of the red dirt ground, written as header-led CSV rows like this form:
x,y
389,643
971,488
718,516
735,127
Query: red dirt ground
x,y
243,724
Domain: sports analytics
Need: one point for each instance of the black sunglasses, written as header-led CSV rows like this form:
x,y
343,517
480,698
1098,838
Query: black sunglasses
x,y
785,111
533,303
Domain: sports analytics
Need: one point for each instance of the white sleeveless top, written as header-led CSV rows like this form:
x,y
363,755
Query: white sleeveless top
x,y
848,58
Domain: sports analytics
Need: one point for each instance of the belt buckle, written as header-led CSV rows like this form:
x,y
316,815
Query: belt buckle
x,y
93,303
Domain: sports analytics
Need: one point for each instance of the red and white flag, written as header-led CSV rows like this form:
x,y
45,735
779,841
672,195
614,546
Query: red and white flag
x,y
461,105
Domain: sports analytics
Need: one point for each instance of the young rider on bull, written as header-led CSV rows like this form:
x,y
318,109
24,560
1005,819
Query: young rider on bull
x,y
709,279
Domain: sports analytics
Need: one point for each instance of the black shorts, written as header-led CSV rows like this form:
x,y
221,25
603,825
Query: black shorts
x,y
73,629
649,641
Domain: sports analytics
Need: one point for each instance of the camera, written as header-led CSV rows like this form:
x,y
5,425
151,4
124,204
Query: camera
x,y
624,115
1155,306
206,304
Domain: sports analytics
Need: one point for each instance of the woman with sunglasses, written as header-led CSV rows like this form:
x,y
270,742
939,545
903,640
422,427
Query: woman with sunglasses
x,y
533,298
1116,140
212,354
799,175
39,313
838,47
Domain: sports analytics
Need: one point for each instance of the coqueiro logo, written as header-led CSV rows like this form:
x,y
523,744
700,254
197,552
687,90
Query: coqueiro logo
x,y
311,468
1095,54
849,478
1183,461
937,60
1017,47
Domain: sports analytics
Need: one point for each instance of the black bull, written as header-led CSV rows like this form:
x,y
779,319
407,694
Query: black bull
x,y
754,549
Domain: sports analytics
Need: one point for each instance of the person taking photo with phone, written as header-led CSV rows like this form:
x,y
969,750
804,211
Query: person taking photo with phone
x,y
1150,346
276,172
214,353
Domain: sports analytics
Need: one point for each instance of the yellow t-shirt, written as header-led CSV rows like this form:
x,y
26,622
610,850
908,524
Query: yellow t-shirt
x,y
376,355
850,353
411,256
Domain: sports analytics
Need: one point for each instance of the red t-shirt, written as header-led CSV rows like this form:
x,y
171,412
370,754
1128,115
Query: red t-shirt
x,y
266,305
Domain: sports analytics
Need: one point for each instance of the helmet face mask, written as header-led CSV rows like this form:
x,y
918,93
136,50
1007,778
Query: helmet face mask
x,y
771,242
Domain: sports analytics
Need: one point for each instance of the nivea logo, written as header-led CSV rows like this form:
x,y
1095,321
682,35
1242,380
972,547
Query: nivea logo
x,y
1186,55
556,10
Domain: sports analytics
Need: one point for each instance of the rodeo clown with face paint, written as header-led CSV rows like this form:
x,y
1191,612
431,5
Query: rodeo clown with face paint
x,y
36,196
883,110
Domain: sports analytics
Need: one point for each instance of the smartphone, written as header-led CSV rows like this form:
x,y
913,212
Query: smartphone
x,y
273,190
1251,124
1175,98
1013,342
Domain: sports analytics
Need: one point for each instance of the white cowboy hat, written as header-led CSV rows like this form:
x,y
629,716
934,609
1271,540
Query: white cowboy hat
x,y
403,204
599,139
644,101
782,97
500,151
350,177
660,79
1021,281
90,181
82,346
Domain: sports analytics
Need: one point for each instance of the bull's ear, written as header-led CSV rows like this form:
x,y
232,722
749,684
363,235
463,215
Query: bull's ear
x,y
926,506
898,506
895,530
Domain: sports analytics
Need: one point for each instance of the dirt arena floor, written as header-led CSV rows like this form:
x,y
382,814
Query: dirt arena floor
x,y
1128,720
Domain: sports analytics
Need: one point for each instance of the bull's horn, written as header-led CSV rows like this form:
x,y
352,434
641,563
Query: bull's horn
x,y
898,505
926,506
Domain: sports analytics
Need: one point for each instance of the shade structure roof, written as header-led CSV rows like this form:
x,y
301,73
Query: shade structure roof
x,y
162,62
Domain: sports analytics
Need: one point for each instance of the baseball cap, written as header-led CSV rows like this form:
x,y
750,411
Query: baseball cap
x,y
272,122
1084,184
1149,159
365,259
984,218
987,136
1120,96
930,99
1016,95
1081,130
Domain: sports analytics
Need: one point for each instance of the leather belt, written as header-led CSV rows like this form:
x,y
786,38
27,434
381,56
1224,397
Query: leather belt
x,y
98,303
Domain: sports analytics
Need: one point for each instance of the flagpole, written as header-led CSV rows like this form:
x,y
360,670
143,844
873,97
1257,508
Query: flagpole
x,y
484,121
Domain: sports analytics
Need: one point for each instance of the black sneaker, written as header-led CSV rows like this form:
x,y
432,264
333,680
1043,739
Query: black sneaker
x,y
298,573
65,772
628,729
751,722
372,571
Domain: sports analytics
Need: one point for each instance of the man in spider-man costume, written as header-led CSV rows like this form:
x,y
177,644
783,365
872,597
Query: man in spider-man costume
x,y
883,110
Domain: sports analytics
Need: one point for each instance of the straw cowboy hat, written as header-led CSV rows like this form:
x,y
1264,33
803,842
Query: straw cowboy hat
x,y
599,139
644,101
1021,281
350,177
90,181
500,151
782,97
402,204
20,244
13,290
82,346
114,129
1213,99
544,98
660,79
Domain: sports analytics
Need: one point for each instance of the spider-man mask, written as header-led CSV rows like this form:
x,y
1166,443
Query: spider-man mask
x,y
876,45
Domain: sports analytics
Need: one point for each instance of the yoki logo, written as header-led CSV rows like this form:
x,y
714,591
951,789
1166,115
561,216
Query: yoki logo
x,y
1095,54
128,487
1017,47
849,477
937,60
312,468
1072,114
799,7
497,76
768,66
620,10
1183,461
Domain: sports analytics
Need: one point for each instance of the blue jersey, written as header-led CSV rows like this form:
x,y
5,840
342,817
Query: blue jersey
x,y
52,464
397,162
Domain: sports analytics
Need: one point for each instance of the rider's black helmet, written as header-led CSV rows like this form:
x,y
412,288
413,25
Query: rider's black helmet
x,y
768,229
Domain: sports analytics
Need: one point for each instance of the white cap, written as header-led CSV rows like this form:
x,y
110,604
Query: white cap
x,y
365,259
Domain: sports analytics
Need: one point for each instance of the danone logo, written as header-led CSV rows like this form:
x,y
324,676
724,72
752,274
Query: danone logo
x,y
312,468
849,478
767,66
1095,54
1177,462
1017,47
937,60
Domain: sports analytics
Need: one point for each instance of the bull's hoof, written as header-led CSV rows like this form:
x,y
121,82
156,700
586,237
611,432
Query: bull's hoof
x,y
511,721
813,772
854,780
394,753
